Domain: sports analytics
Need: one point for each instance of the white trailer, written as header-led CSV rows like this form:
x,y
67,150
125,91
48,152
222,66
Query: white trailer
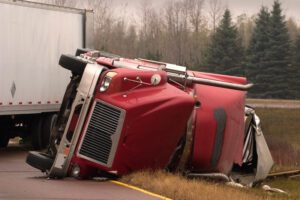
x,y
32,38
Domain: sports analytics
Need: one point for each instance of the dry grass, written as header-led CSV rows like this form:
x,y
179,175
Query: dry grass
x,y
274,103
178,187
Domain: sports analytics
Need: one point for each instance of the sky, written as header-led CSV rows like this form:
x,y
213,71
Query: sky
x,y
291,8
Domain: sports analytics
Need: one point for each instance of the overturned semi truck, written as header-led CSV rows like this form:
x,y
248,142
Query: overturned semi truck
x,y
121,115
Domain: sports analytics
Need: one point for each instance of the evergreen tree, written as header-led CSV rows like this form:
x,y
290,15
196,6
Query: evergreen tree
x,y
279,70
225,51
256,67
269,65
295,79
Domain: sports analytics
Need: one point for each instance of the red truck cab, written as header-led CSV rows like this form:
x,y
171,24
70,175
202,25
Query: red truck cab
x,y
123,115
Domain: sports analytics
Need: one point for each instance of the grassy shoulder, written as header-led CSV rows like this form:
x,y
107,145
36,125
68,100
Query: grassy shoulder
x,y
281,128
175,186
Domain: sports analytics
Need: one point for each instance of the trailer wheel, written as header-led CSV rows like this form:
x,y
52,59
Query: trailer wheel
x,y
36,129
47,125
4,136
39,160
4,139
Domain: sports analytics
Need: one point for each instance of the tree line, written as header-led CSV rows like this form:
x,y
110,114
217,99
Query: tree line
x,y
265,48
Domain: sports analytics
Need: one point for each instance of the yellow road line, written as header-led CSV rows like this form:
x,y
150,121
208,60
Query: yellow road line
x,y
140,190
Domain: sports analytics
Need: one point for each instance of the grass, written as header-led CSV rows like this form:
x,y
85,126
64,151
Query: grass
x,y
177,187
273,103
281,128
290,186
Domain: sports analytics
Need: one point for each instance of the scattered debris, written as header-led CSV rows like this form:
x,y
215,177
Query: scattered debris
x,y
235,184
100,179
275,190
295,177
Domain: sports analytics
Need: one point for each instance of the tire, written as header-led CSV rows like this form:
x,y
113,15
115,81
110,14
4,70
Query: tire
x,y
4,134
39,160
47,125
4,139
75,65
36,129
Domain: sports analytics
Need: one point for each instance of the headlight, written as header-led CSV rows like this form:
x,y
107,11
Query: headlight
x,y
76,171
106,81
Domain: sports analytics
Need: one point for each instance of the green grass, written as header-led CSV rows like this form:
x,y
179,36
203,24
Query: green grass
x,y
282,131
287,185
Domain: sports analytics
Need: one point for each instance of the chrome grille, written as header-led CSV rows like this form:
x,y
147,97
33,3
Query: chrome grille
x,y
97,143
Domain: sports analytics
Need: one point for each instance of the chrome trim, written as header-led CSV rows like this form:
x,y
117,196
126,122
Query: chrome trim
x,y
83,97
115,137
216,83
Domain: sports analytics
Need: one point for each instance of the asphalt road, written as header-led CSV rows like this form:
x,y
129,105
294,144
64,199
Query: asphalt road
x,y
20,181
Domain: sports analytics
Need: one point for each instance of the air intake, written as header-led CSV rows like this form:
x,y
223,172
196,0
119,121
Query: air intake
x,y
102,134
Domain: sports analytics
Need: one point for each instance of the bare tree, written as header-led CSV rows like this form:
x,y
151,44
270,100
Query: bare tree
x,y
293,29
245,26
67,3
151,32
103,23
216,10
195,12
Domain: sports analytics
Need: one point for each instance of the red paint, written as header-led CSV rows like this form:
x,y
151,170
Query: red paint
x,y
232,101
156,119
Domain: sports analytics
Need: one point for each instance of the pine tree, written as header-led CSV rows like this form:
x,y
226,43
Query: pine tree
x,y
225,52
279,65
269,58
256,67
295,79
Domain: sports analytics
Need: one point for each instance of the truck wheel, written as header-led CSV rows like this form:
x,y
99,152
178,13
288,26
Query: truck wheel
x,y
39,160
75,65
48,123
36,129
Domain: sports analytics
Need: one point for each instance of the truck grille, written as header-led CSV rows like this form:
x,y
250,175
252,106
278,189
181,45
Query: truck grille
x,y
105,122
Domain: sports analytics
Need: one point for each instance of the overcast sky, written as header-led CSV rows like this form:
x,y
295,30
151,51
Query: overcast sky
x,y
291,8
